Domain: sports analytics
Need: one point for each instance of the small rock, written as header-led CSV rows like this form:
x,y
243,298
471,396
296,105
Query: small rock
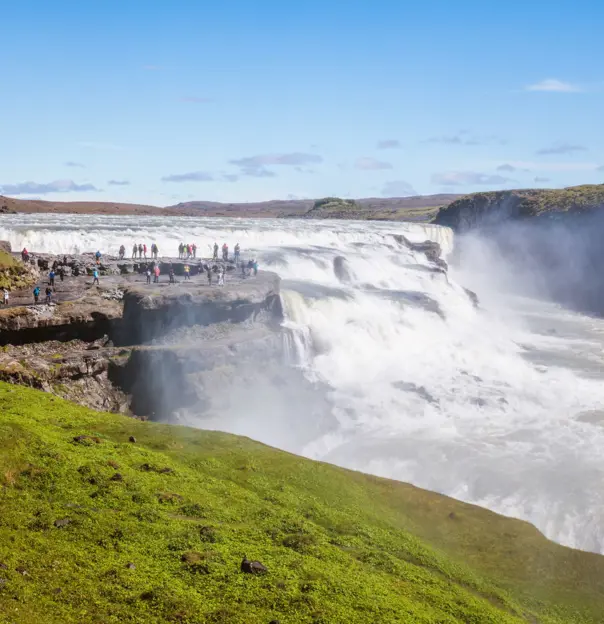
x,y
3,566
63,522
57,591
22,571
131,566
117,477
253,567
132,439
166,470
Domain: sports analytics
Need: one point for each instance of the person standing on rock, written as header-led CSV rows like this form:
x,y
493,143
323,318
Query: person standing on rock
x,y
156,274
95,276
194,250
225,252
97,255
209,276
145,250
140,251
215,256
255,267
171,274
148,274
180,248
156,251
221,277
62,273
134,250
187,270
237,252
36,294
48,294
5,297
25,255
51,278
122,252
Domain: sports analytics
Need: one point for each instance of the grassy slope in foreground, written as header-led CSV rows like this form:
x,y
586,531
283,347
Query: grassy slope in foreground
x,y
340,546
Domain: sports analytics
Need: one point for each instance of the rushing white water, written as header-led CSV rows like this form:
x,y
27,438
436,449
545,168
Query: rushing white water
x,y
500,406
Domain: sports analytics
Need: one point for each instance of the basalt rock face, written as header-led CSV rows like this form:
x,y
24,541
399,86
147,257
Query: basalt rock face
x,y
152,313
429,248
143,349
487,210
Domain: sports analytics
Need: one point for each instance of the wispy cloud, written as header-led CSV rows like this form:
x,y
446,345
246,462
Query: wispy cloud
x,y
464,137
562,148
200,176
71,163
119,183
263,160
371,164
463,178
101,146
555,166
195,100
506,167
191,176
151,67
44,188
256,166
555,86
600,168
398,188
538,180
389,144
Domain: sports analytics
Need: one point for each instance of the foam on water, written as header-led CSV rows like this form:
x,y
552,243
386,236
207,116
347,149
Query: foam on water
x,y
484,405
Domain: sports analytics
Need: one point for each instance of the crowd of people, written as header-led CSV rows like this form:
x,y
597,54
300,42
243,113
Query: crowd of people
x,y
215,271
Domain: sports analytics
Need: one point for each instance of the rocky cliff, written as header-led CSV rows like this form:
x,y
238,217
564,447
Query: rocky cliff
x,y
139,348
491,209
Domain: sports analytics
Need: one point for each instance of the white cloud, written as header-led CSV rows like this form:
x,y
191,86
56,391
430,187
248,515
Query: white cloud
x,y
44,188
461,178
191,176
398,188
389,144
560,166
554,85
561,148
371,164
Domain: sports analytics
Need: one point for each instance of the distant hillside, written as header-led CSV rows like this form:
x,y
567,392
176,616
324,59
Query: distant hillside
x,y
10,204
421,207
490,208
405,208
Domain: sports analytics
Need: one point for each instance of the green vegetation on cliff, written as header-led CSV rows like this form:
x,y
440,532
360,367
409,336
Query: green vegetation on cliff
x,y
97,528
13,274
478,208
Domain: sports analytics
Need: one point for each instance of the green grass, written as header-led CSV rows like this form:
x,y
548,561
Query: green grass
x,y
162,542
12,273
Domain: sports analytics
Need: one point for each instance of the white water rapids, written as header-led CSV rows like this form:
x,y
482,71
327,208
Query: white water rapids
x,y
500,406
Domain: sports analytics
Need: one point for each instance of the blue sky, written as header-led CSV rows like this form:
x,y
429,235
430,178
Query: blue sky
x,y
168,101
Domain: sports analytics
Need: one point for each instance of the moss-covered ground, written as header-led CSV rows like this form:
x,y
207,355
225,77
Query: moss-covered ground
x,y
101,529
12,273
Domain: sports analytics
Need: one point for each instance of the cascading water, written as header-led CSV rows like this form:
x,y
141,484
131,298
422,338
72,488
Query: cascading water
x,y
499,406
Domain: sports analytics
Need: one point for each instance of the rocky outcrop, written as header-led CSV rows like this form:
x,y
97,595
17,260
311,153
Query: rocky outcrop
x,y
486,210
429,248
150,313
144,349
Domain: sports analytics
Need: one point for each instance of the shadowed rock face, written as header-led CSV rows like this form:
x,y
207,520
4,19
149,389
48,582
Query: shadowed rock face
x,y
170,336
151,313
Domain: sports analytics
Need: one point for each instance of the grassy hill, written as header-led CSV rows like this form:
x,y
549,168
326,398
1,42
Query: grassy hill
x,y
479,208
96,528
